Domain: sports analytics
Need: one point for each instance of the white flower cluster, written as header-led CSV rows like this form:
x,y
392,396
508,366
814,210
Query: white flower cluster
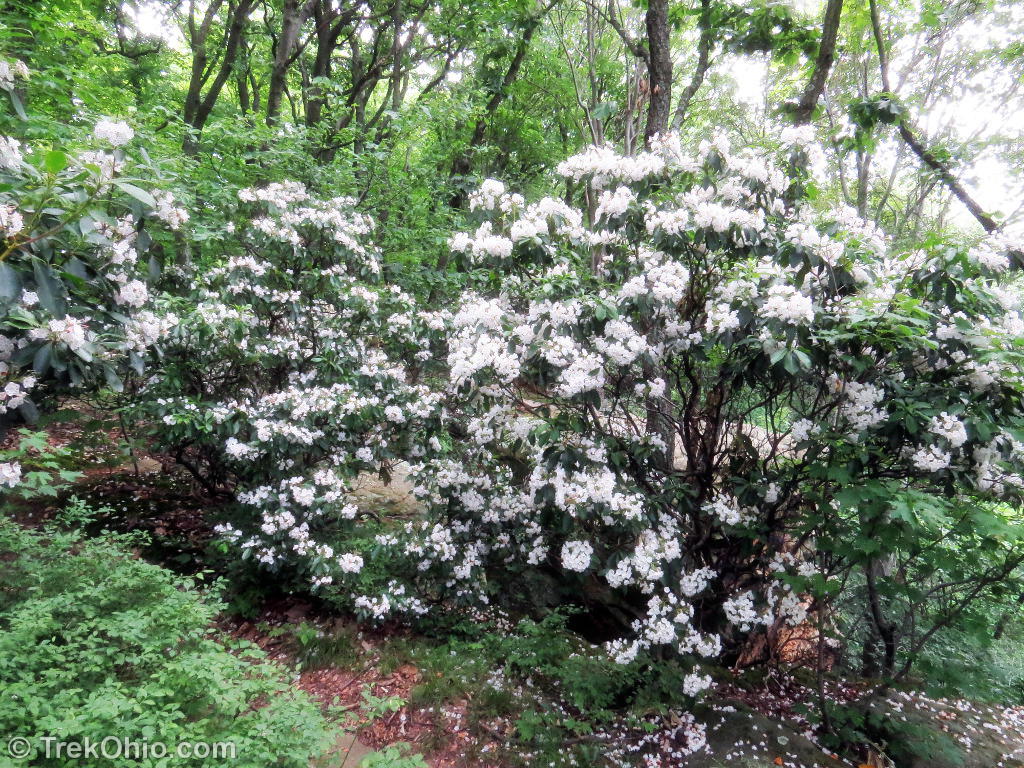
x,y
491,195
695,684
727,510
134,293
615,204
10,473
295,216
576,555
10,153
71,331
931,459
11,221
740,610
395,600
146,328
11,71
861,408
668,621
694,582
173,215
787,304
950,428
116,133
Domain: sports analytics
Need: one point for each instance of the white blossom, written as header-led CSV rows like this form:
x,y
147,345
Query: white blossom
x,y
576,555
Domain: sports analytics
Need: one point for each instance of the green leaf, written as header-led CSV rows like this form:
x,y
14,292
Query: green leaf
x,y
29,412
154,267
48,289
113,380
10,283
41,361
55,161
76,267
19,108
137,363
139,194
604,110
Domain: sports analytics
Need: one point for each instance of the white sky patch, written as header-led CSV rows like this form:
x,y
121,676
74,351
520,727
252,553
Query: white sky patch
x,y
807,7
969,113
750,74
151,19
987,106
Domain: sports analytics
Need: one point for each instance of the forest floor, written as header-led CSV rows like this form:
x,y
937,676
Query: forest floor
x,y
351,669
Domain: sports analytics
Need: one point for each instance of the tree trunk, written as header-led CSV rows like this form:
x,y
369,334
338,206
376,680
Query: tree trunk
x,y
462,165
293,15
330,22
198,106
242,80
659,69
863,182
822,64
886,631
659,81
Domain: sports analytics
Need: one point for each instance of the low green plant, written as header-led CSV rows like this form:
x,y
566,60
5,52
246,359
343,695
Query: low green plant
x,y
394,756
45,469
95,643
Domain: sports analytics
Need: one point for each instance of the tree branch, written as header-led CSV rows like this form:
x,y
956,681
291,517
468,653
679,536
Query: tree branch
x,y
703,63
927,157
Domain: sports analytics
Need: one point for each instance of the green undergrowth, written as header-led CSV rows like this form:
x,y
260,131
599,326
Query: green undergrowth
x,y
95,642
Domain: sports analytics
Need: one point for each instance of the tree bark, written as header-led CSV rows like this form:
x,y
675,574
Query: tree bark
x,y
293,15
659,105
198,106
330,23
822,64
242,80
883,626
659,69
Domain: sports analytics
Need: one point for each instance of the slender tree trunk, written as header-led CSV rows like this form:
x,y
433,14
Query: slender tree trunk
x,y
330,22
242,79
863,182
463,164
659,81
822,64
659,69
198,105
397,20
293,16
883,626
703,64
321,64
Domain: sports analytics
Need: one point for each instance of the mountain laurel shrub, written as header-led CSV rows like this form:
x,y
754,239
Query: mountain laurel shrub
x,y
288,376
700,404
695,407
80,232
